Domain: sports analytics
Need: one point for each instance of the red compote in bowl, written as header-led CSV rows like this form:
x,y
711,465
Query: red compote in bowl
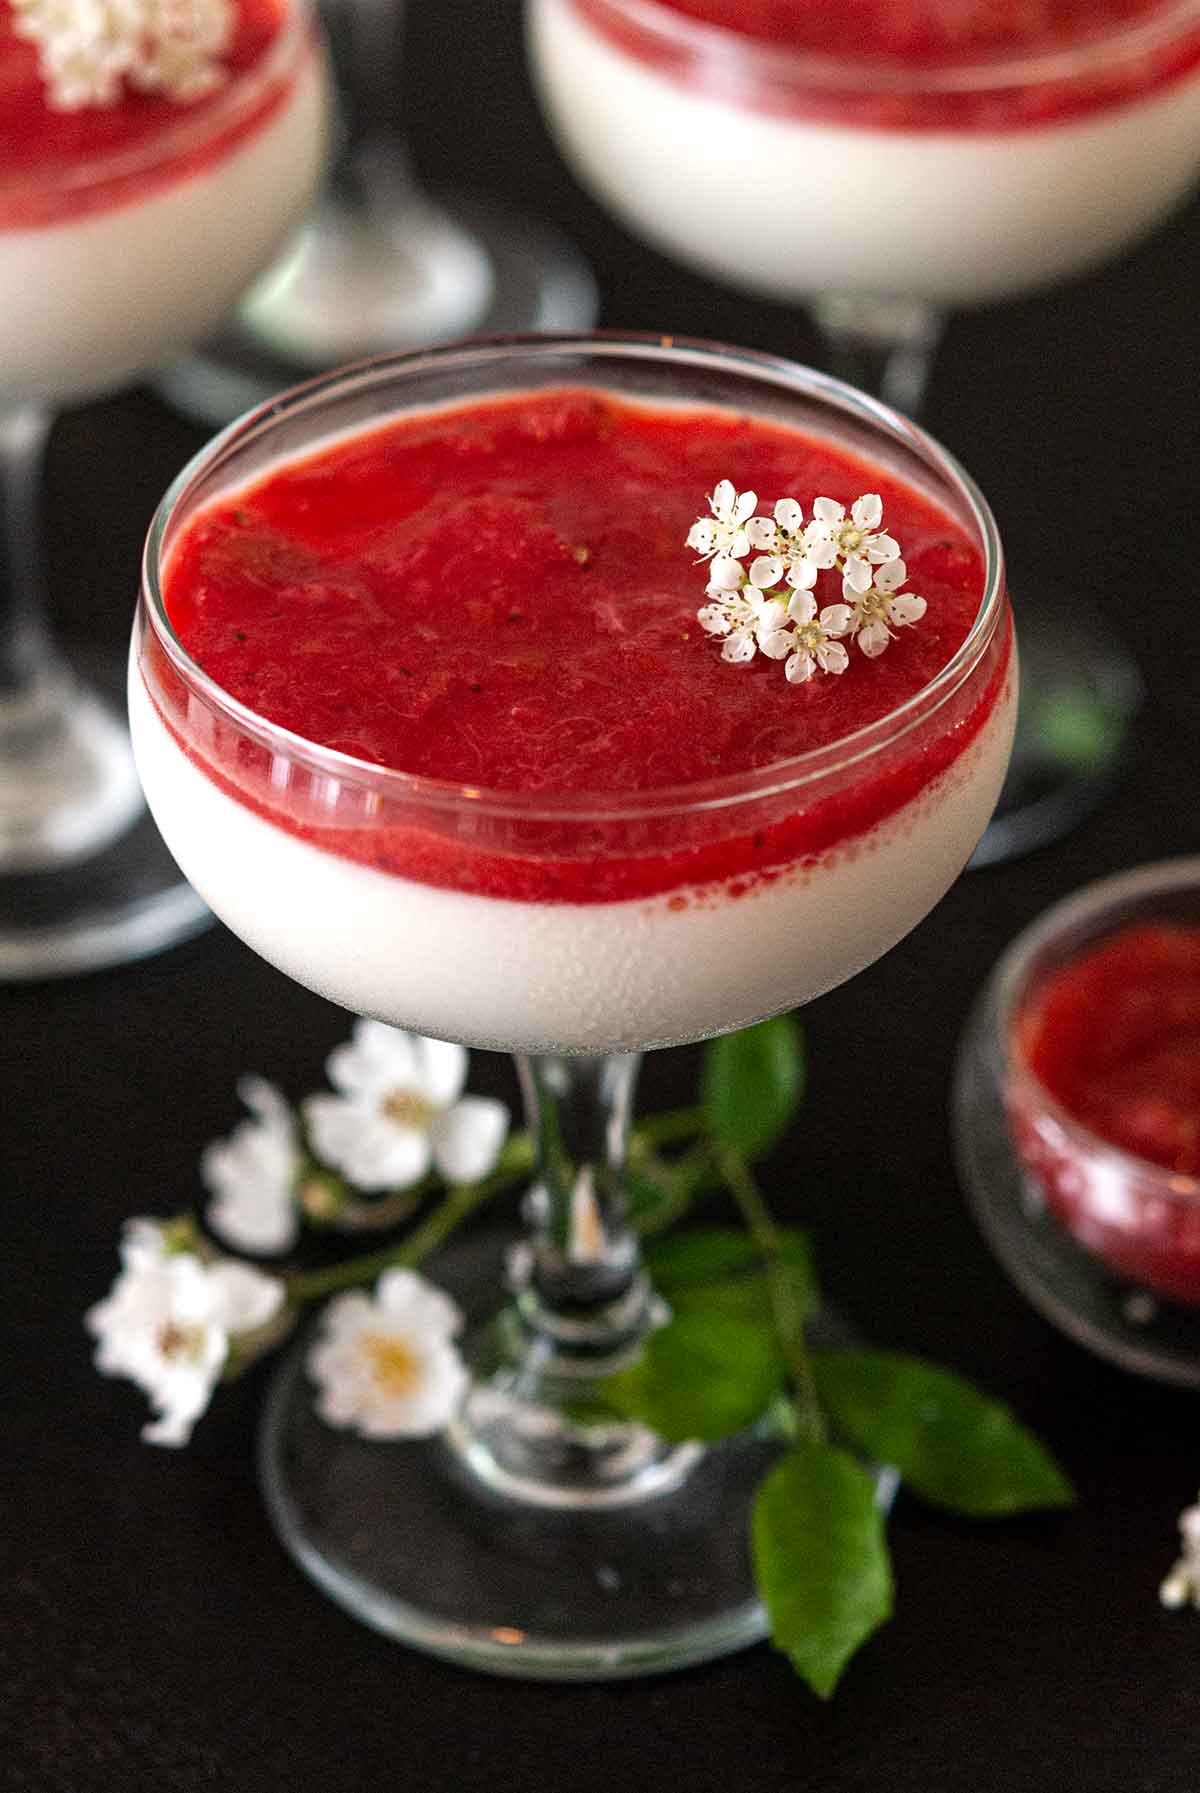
x,y
430,700
1088,1040
144,180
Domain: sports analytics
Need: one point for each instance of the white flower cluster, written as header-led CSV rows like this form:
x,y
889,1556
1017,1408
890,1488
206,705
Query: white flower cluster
x,y
170,1321
1182,1585
769,608
88,48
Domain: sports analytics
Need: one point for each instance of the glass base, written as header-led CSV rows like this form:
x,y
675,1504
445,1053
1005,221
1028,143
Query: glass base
x,y
1080,693
85,880
361,283
1070,1287
413,1542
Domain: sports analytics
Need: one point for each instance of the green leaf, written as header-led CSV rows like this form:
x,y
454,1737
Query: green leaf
x,y
722,1266
952,1445
821,1560
752,1085
651,1202
706,1375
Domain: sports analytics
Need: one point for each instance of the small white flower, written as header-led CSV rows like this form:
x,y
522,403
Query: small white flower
x,y
87,49
168,1321
724,532
744,618
402,1109
387,1366
814,638
1182,1585
881,607
252,1174
853,538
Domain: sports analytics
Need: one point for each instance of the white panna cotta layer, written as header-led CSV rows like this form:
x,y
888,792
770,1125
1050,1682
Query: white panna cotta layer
x,y
92,300
571,977
796,209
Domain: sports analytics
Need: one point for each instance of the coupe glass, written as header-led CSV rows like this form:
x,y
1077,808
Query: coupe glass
x,y
541,1536
106,269
881,194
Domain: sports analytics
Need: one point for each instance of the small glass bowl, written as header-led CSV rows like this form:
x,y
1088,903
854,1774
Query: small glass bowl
x,y
1105,1243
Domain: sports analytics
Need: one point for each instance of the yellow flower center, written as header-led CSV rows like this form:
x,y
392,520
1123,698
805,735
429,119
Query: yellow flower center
x,y
393,1365
408,1109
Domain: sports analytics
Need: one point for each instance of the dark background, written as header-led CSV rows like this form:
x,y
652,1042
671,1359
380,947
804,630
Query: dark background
x,y
157,1636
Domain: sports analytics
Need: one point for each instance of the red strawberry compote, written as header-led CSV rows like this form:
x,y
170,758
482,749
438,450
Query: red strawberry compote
x,y
1104,1100
954,151
497,597
127,228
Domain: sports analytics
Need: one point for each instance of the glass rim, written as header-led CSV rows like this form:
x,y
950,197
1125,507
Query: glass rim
x,y
1010,982
726,790
190,131
889,75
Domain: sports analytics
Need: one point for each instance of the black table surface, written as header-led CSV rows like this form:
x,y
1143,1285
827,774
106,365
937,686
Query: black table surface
x,y
155,1634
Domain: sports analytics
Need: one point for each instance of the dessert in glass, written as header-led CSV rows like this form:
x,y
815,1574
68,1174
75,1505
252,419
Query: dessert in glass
x,y
379,265
881,163
424,705
137,198
1077,1110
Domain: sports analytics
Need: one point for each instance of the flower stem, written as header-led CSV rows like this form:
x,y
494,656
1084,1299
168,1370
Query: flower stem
x,y
672,1125
789,1320
458,1205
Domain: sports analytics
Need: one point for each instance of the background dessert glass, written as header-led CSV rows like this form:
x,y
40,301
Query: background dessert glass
x,y
105,269
379,266
1103,1242
531,1542
881,194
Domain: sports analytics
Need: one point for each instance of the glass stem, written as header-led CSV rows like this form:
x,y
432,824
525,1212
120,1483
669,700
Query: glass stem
x,y
25,651
365,38
584,1282
883,346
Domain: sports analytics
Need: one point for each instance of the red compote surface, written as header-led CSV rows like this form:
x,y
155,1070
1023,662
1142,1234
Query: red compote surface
x,y
1113,1037
56,165
500,596
912,45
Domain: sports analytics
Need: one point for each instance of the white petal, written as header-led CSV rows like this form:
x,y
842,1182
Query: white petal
x,y
715,618
856,576
832,657
722,500
873,639
802,574
466,1139
246,1299
761,533
906,609
802,608
766,571
724,574
821,549
867,511
799,669
826,511
769,617
890,576
836,619
702,536
777,645
739,545
746,506
427,1311
378,1058
882,548
788,515
739,648
441,1070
